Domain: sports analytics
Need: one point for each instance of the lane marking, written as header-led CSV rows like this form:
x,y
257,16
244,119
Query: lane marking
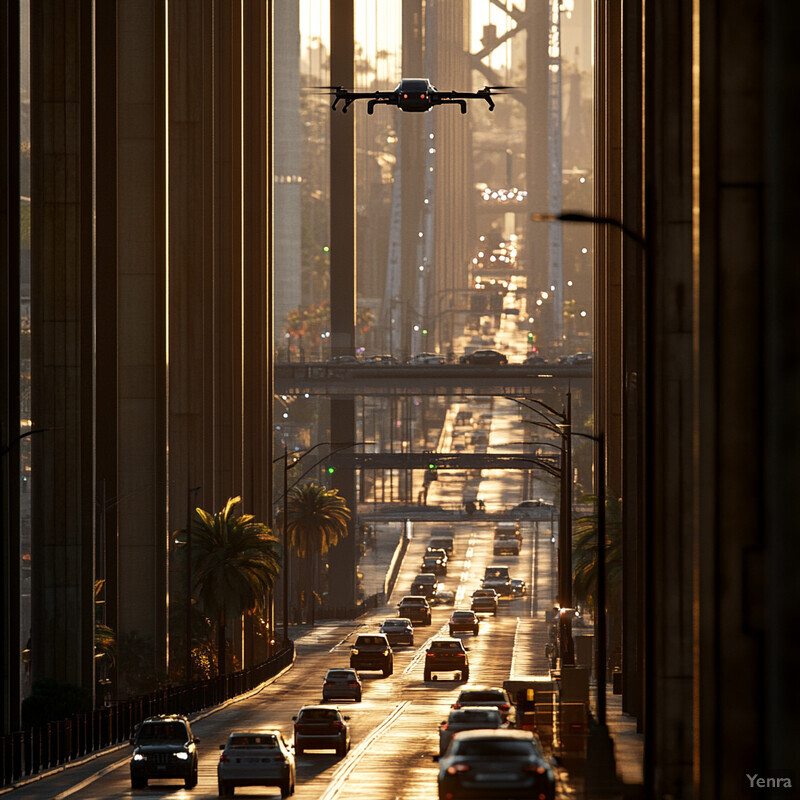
x,y
351,761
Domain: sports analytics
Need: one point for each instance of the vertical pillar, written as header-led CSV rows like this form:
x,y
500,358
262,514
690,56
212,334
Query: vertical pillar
x,y
9,365
343,284
670,397
136,531
63,263
257,191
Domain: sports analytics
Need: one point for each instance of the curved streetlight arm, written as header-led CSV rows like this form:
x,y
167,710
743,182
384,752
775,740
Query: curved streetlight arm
x,y
585,217
7,449
525,400
552,427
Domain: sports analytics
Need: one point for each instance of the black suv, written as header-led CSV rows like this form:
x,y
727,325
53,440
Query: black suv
x,y
164,747
426,583
447,655
372,651
415,608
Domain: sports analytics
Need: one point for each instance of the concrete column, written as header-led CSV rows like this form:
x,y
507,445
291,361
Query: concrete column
x,y
227,293
63,351
343,285
9,366
670,397
141,536
740,282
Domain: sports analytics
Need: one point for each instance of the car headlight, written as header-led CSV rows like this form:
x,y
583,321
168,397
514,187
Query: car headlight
x,y
139,757
182,756
354,653
385,653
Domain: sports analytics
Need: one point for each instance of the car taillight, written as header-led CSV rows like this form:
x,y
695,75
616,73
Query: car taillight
x,y
539,770
430,655
280,758
223,757
503,707
444,726
457,705
338,726
454,768
352,683
328,683
385,653
297,726
461,655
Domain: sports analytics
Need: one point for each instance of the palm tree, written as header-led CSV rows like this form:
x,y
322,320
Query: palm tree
x,y
317,520
584,562
234,565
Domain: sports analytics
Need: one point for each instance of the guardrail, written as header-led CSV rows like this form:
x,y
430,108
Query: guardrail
x,y
35,750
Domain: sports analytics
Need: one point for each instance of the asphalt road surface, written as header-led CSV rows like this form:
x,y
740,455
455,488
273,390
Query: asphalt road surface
x,y
394,730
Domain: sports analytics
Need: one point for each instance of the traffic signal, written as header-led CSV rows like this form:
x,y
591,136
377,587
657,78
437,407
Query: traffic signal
x,y
530,337
431,474
330,470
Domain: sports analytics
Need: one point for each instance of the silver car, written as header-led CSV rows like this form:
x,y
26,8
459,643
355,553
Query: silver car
x,y
398,630
256,758
487,696
468,718
341,684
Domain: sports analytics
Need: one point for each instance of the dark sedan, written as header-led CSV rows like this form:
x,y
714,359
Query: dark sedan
x,y
495,763
487,357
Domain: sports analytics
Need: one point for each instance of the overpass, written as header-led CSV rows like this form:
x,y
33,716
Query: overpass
x,y
354,380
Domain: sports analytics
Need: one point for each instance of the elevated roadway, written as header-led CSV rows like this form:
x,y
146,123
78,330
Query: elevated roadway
x,y
355,380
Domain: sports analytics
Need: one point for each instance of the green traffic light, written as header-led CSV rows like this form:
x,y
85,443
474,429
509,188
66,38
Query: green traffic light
x,y
331,470
326,249
424,331
431,466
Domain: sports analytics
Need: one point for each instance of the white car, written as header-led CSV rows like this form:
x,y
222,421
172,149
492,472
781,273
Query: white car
x,y
426,359
256,758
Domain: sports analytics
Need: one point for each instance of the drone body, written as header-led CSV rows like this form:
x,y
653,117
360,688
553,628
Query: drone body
x,y
413,94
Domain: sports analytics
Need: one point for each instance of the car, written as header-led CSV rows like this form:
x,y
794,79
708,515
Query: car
x,y
442,543
341,684
506,529
484,600
535,361
433,564
485,356
468,718
532,508
487,696
343,360
398,630
465,620
321,727
426,359
416,608
438,552
446,655
164,748
518,587
495,763
256,758
496,577
582,359
426,583
372,651
382,360
506,546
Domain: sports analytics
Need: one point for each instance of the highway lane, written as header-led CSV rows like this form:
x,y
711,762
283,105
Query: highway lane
x,y
394,729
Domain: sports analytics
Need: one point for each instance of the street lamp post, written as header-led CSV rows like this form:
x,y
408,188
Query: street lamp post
x,y
189,494
286,468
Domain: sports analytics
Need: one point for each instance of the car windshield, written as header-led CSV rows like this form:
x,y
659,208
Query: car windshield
x,y
394,623
319,715
496,573
475,715
365,640
481,697
483,593
253,740
453,646
463,615
163,732
493,747
340,675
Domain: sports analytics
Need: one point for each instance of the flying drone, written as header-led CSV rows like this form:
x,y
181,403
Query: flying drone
x,y
413,94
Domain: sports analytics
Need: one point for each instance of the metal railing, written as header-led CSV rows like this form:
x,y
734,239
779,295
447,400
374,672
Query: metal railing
x,y
39,748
